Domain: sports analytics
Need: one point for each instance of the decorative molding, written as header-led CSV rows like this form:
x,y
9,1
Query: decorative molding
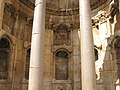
x,y
73,10
97,3
10,37
62,12
28,3
27,44
10,8
100,17
68,48
53,25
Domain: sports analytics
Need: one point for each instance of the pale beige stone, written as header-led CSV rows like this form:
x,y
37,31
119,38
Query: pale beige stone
x,y
20,41
37,47
87,50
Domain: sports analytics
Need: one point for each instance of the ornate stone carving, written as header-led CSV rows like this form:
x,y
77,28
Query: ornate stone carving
x,y
68,48
9,17
62,86
100,17
62,12
72,9
61,35
96,3
27,44
28,3
71,26
9,8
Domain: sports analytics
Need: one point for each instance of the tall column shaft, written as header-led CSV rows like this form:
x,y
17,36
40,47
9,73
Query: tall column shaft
x,y
1,12
87,47
119,5
37,47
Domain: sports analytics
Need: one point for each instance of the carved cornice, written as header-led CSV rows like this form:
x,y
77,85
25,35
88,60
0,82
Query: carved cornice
x,y
73,10
23,15
15,12
62,12
28,3
97,3
101,17
68,48
9,7
71,26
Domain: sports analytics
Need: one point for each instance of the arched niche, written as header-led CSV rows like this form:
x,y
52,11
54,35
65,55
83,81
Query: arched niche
x,y
4,57
61,64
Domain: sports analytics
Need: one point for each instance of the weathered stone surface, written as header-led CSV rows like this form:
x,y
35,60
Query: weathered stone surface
x,y
16,18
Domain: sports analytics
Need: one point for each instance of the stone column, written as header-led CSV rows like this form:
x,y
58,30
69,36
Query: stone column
x,y
1,12
119,5
87,47
37,47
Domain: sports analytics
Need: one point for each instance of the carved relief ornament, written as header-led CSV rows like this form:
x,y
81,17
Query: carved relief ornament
x,y
101,17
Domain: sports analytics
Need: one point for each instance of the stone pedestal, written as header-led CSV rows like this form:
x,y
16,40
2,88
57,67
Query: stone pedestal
x,y
37,47
87,47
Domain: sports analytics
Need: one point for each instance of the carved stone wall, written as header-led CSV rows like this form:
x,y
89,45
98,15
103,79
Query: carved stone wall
x,y
62,34
16,28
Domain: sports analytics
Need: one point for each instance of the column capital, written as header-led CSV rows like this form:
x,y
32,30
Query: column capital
x,y
39,2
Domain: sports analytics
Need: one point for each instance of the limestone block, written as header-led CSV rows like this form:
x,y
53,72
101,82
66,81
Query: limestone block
x,y
24,86
107,65
48,41
47,85
108,77
76,68
19,55
77,85
48,66
76,39
112,65
76,60
47,49
6,86
76,50
109,87
19,44
99,86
